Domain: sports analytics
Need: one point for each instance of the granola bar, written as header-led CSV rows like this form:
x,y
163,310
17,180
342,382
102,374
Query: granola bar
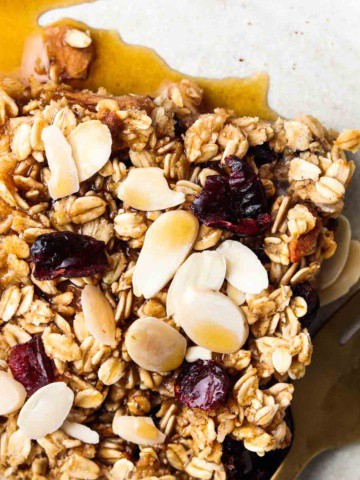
x,y
155,276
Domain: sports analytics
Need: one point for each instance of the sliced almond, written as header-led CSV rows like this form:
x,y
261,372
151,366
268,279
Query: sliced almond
x,y
146,189
332,268
46,410
155,345
91,147
13,394
197,353
80,432
64,178
77,38
167,243
212,320
98,314
237,296
139,430
204,270
243,268
347,278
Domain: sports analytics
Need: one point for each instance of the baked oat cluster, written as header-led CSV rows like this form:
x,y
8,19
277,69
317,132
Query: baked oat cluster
x,y
155,276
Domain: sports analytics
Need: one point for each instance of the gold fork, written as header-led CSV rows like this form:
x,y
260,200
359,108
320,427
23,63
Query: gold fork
x,y
326,407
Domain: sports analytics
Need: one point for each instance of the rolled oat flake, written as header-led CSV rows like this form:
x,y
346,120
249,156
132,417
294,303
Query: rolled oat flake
x,y
81,432
46,410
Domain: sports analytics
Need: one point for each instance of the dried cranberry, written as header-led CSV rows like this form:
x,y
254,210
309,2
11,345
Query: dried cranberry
x,y
236,203
262,256
332,224
263,154
202,384
180,126
242,464
67,254
311,297
31,366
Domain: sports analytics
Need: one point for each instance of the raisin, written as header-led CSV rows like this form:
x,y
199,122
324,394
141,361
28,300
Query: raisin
x,y
67,254
202,384
236,202
242,464
263,154
311,297
31,366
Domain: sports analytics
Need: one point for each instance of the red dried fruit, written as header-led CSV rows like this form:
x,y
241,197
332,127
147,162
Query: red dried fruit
x,y
311,297
67,254
263,154
31,366
202,384
236,203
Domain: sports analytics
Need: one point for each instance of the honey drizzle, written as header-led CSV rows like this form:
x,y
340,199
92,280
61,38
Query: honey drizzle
x,y
120,67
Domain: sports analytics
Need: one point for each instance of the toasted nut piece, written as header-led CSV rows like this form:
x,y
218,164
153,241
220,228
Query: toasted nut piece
x,y
51,403
70,62
167,243
155,345
201,314
243,268
304,245
146,189
201,270
77,38
13,394
64,177
90,100
139,430
91,147
98,314
115,125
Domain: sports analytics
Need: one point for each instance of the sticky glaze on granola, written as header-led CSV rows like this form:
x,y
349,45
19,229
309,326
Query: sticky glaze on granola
x,y
183,414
